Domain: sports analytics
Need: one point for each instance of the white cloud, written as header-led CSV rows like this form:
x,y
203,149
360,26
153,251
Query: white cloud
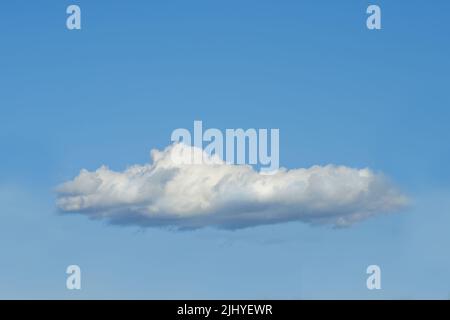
x,y
169,193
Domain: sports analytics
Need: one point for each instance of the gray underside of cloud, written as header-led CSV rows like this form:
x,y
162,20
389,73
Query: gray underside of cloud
x,y
171,194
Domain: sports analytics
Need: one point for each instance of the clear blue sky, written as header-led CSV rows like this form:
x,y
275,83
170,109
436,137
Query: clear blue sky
x,y
112,91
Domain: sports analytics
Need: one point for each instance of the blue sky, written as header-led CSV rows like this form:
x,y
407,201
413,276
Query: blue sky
x,y
112,91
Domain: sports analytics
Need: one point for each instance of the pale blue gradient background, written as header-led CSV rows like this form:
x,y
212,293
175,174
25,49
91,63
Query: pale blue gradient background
x,y
139,69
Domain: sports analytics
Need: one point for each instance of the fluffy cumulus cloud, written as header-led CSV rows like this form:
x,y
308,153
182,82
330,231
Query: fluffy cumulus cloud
x,y
167,192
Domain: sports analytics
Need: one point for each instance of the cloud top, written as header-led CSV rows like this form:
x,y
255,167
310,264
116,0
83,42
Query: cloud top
x,y
167,192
